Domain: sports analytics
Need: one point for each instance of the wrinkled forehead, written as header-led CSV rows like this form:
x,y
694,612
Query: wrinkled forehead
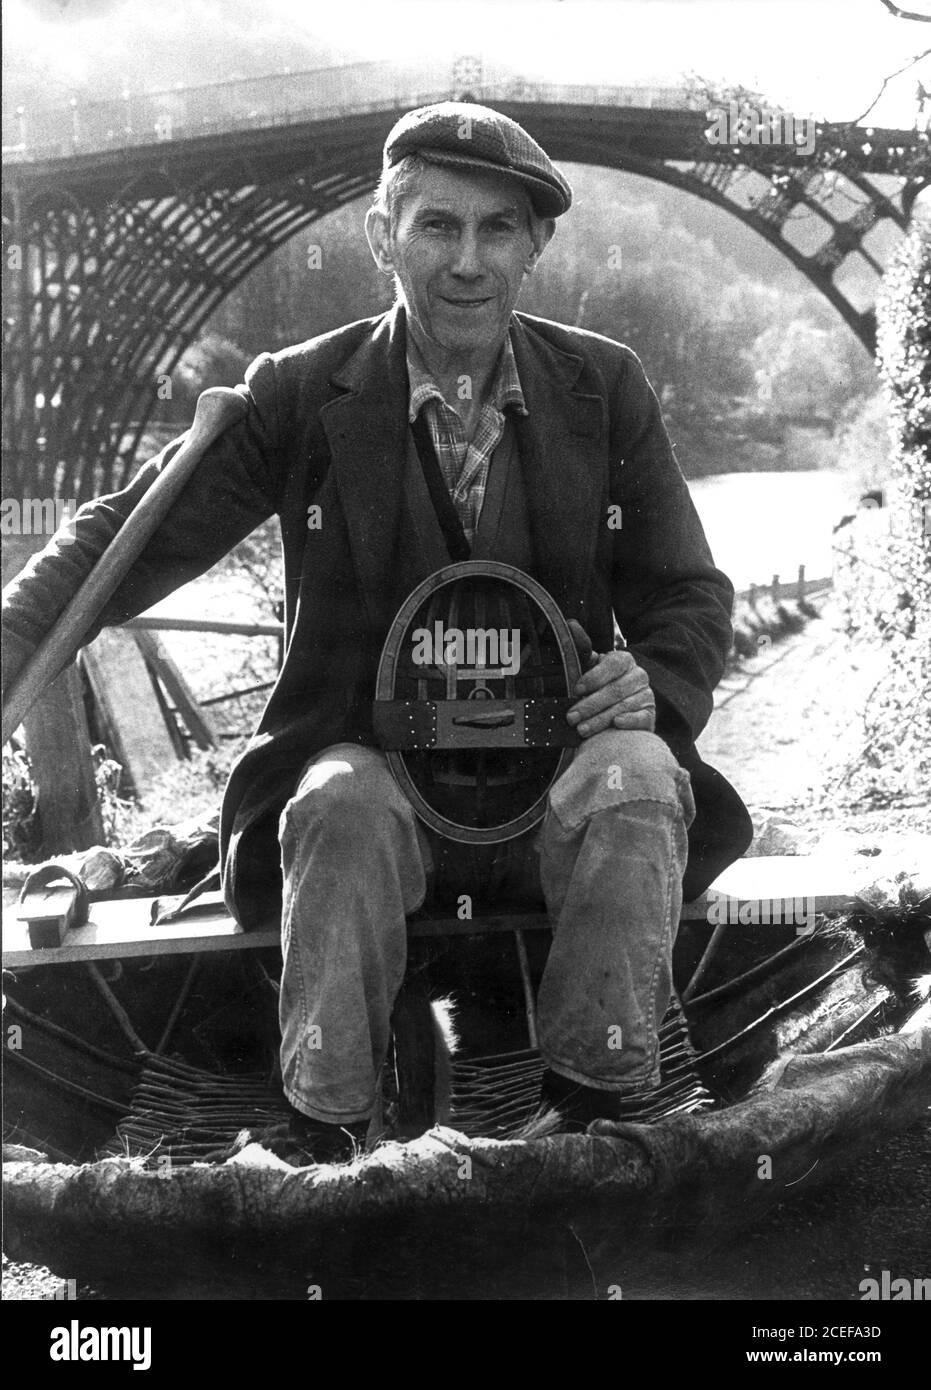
x,y
466,193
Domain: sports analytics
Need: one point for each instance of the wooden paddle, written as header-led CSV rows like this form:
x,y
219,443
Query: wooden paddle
x,y
217,409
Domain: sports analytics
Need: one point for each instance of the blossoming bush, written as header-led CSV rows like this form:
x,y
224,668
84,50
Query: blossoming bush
x,y
884,560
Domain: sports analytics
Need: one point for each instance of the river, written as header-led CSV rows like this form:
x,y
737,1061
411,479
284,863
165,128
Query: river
x,y
761,524
757,524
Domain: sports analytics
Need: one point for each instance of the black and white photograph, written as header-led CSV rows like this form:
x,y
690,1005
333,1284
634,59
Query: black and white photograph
x,y
466,535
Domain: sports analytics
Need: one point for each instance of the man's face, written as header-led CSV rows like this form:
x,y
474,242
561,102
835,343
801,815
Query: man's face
x,y
460,247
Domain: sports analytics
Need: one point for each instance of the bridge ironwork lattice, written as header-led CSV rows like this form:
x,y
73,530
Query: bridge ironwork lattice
x,y
127,222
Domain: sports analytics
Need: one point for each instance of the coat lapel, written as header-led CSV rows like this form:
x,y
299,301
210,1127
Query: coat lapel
x,y
366,429
563,448
564,457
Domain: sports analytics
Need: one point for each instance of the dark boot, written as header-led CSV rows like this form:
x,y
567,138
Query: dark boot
x,y
579,1105
317,1142
300,1141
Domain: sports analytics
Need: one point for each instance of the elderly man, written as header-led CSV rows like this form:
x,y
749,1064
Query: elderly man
x,y
453,427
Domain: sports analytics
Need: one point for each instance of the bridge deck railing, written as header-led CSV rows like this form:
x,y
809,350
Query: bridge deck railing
x,y
140,119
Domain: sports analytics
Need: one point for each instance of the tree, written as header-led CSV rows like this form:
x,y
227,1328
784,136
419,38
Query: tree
x,y
799,373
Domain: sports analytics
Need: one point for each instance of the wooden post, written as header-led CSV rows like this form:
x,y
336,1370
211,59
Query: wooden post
x,y
58,744
134,726
62,769
800,592
164,668
530,1007
775,588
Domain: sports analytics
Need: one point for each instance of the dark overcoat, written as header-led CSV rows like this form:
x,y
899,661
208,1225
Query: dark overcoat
x,y
327,427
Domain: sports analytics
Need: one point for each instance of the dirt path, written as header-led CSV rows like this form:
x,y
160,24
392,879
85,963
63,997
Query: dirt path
x,y
782,720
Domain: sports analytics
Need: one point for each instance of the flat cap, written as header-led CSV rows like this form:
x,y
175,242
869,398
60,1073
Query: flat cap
x,y
463,135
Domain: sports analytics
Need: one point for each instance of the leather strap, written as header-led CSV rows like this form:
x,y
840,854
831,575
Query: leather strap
x,y
446,514
401,725
46,876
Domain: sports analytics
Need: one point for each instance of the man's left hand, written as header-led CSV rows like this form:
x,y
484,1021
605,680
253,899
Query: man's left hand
x,y
615,694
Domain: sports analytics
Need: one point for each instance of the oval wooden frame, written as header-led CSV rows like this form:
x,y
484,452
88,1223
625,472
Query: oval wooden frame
x,y
384,690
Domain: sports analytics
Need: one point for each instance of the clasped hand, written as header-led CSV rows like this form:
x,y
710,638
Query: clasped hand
x,y
614,691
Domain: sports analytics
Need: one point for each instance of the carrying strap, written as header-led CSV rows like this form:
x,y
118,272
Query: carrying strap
x,y
53,875
446,514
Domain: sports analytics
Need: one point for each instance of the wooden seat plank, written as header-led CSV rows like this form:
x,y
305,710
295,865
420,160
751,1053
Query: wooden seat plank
x,y
121,928
132,936
829,880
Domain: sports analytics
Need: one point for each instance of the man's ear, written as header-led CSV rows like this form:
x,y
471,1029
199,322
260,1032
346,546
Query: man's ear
x,y
379,238
541,232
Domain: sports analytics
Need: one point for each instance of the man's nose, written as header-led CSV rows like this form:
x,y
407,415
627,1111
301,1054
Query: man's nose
x,y
467,261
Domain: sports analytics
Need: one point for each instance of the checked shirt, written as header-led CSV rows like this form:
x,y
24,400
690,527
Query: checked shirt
x,y
464,462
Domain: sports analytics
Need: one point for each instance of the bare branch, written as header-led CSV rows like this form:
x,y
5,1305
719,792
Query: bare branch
x,y
905,14
886,80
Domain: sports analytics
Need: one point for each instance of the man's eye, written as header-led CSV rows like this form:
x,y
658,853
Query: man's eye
x,y
437,224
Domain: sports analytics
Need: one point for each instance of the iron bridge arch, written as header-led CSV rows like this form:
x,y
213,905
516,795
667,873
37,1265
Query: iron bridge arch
x,y
119,249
